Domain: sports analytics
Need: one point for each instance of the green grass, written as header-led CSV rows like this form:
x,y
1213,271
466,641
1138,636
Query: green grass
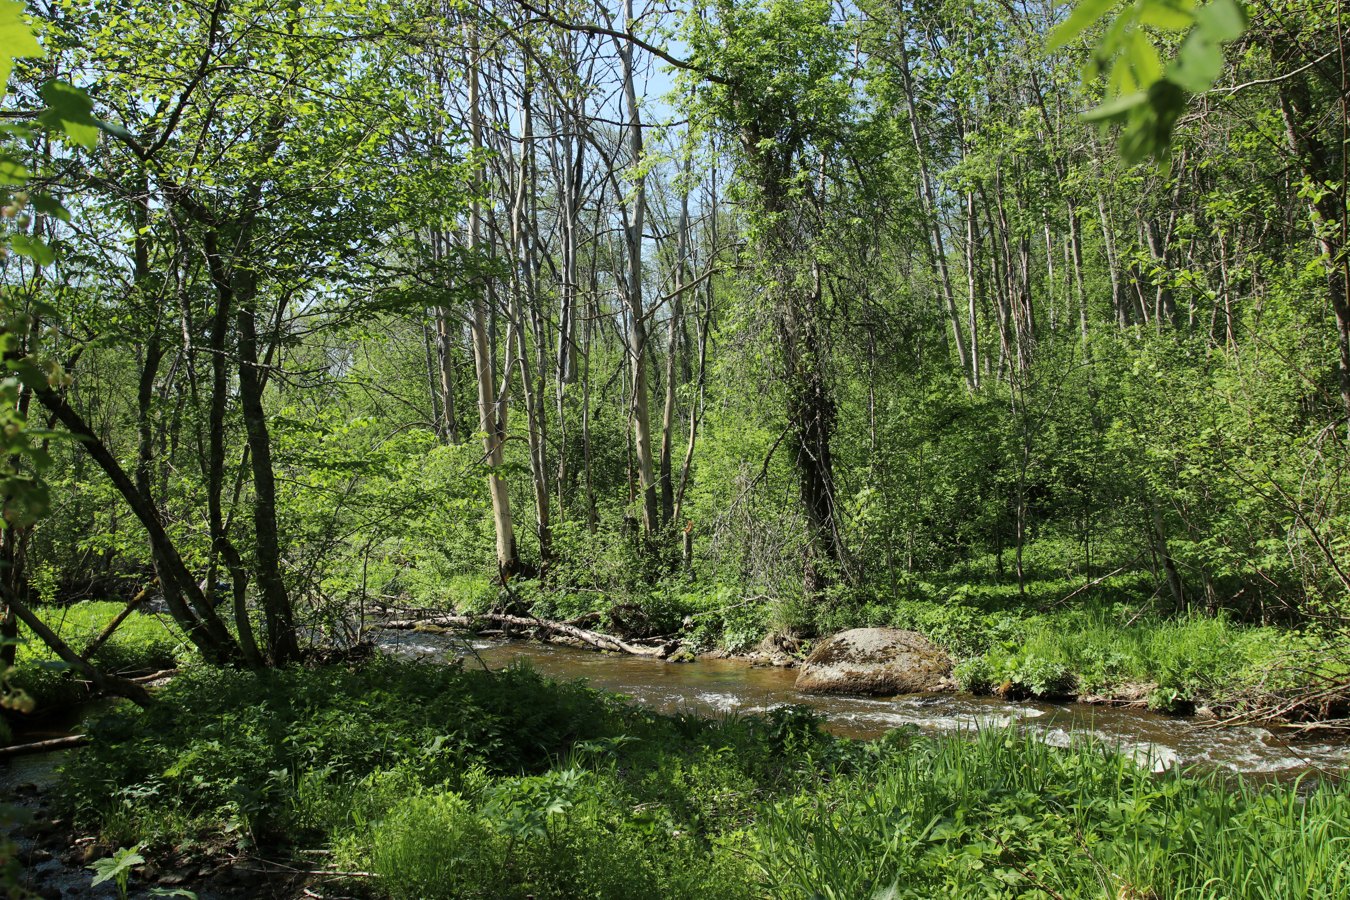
x,y
1006,816
445,782
1180,662
143,643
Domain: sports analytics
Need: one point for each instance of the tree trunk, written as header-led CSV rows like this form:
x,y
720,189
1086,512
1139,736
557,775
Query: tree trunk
x,y
491,411
282,641
637,332
672,353
936,250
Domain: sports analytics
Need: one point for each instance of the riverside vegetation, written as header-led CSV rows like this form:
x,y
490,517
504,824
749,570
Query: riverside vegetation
x,y
442,781
721,327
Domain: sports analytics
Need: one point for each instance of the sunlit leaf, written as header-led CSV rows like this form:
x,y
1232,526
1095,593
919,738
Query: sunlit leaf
x,y
1198,64
1084,15
1222,20
69,112
1115,108
16,39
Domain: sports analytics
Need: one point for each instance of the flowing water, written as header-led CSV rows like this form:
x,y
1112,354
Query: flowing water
x,y
720,686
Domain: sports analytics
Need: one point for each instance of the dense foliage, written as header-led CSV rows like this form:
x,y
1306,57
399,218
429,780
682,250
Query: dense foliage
x,y
725,325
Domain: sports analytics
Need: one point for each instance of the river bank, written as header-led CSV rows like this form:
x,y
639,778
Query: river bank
x,y
1110,655
432,780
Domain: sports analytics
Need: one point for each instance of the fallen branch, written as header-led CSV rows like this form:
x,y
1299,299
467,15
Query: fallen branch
x,y
153,676
109,684
70,740
117,621
550,629
1093,583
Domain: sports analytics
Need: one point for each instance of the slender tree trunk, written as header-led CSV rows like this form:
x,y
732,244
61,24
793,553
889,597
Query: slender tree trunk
x,y
1112,263
180,589
523,287
972,259
491,420
282,641
672,354
937,251
637,331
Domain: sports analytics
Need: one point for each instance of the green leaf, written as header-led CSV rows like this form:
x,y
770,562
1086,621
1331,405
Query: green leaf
x,y
1222,20
34,248
116,131
1116,108
1084,15
70,112
49,206
1122,81
12,172
1144,59
1167,16
16,39
1198,64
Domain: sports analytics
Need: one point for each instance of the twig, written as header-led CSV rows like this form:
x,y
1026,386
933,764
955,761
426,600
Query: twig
x,y
117,621
1091,584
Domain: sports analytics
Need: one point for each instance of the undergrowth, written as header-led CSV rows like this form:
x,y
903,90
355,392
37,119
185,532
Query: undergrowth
x,y
442,781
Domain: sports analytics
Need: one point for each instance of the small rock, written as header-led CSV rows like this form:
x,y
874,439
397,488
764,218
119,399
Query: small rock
x,y
49,892
175,878
46,869
35,856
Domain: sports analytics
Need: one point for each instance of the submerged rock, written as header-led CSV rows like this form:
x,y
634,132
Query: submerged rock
x,y
682,655
876,661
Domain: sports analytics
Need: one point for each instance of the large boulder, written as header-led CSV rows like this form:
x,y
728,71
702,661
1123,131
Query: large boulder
x,y
876,661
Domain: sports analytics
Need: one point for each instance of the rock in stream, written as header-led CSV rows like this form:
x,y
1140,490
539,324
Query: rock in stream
x,y
876,661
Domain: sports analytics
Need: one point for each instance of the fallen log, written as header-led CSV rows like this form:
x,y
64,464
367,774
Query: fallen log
x,y
71,740
548,627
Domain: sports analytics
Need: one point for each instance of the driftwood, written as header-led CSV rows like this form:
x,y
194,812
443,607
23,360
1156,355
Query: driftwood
x,y
549,630
71,740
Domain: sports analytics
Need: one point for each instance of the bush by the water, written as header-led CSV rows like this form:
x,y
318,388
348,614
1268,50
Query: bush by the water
x,y
452,782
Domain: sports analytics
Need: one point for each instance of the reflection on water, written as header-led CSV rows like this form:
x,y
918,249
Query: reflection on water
x,y
712,686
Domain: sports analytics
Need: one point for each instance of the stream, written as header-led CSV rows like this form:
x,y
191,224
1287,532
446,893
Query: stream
x,y
722,686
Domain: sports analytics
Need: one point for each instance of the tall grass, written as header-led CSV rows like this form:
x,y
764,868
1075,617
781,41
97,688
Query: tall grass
x,y
1004,815
1181,661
